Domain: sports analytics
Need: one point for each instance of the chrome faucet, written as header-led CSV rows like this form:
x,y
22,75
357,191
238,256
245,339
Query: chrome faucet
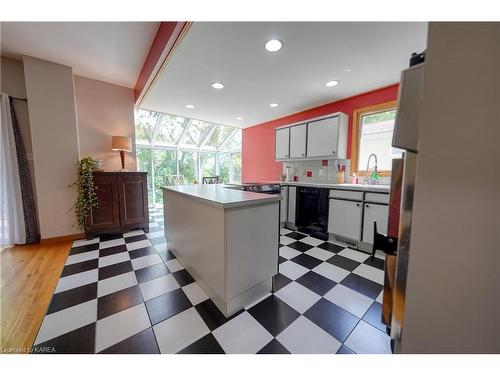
x,y
372,178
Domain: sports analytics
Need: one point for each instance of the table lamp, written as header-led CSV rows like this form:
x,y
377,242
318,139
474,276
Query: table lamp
x,y
121,144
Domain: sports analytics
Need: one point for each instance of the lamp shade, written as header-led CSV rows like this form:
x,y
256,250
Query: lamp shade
x,y
121,143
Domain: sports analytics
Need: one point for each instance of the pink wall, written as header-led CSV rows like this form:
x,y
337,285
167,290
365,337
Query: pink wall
x,y
258,141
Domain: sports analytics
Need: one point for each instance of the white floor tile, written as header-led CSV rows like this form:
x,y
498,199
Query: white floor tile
x,y
286,240
174,265
284,231
194,293
76,280
138,245
297,296
111,243
380,254
305,337
113,259
77,258
161,285
161,247
319,253
350,300
133,233
380,297
146,261
79,243
119,326
311,241
366,339
288,252
116,283
179,331
356,255
331,272
156,234
370,273
292,270
242,335
67,320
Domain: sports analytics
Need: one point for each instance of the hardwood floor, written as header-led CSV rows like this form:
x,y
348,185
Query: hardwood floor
x,y
29,275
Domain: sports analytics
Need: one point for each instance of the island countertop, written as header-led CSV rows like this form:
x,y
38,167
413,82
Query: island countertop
x,y
222,195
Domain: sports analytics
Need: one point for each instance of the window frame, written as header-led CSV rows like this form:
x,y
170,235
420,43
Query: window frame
x,y
356,134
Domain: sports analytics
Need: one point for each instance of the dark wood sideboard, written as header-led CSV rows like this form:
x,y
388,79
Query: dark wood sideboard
x,y
122,203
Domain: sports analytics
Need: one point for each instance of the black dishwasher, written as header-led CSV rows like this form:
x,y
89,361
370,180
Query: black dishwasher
x,y
312,211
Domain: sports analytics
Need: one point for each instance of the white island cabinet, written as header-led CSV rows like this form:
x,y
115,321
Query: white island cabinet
x,y
226,239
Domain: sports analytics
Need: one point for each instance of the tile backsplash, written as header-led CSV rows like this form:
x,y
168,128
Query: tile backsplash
x,y
317,171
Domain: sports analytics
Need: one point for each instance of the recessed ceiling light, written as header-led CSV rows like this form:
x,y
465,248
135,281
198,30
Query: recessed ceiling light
x,y
190,106
217,85
331,83
273,105
273,45
239,118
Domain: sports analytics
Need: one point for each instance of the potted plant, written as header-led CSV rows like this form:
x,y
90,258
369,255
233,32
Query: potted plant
x,y
87,197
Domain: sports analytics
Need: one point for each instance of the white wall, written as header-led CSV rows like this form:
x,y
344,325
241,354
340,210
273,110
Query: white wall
x,y
104,110
54,139
453,287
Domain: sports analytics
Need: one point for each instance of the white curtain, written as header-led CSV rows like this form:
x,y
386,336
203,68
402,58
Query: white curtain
x,y
12,229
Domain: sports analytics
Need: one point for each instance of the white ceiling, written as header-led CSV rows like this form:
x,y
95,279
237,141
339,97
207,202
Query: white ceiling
x,y
113,52
294,77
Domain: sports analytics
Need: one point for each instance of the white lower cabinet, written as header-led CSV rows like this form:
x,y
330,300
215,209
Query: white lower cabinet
x,y
292,198
344,218
378,213
284,204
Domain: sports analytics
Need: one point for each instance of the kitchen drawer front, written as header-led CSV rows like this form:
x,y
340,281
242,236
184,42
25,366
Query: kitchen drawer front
x,y
377,198
347,194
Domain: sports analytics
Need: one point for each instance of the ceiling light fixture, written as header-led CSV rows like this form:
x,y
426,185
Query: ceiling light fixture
x,y
190,106
273,45
331,83
239,118
273,105
217,85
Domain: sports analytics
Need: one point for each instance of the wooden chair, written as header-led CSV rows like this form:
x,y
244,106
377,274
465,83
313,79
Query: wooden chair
x,y
212,180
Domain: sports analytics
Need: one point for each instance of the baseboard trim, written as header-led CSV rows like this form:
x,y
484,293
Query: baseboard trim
x,y
71,237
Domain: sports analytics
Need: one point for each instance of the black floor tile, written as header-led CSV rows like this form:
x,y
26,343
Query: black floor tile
x,y
80,267
183,277
300,246
167,305
374,316
115,302
84,248
152,272
109,237
211,315
361,285
376,262
206,345
317,283
328,246
343,262
79,341
115,269
139,237
281,259
141,343
281,245
345,350
274,347
141,252
307,261
112,250
281,281
331,318
273,314
72,297
166,255
158,240
295,235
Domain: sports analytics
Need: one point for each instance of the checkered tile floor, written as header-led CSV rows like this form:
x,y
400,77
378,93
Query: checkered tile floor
x,y
128,294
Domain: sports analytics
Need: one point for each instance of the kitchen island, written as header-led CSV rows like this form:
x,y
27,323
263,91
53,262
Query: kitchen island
x,y
227,239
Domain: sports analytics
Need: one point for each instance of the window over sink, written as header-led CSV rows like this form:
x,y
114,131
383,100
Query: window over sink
x,y
372,134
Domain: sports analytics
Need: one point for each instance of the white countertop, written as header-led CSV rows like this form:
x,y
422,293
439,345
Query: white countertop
x,y
220,195
360,187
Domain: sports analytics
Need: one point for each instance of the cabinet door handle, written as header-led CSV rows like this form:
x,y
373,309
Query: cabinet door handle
x,y
367,206
333,152
303,154
357,204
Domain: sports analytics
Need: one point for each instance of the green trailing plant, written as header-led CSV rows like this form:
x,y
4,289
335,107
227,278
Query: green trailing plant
x,y
87,197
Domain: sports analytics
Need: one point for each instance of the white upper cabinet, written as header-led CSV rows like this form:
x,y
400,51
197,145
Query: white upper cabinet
x,y
282,138
298,135
322,137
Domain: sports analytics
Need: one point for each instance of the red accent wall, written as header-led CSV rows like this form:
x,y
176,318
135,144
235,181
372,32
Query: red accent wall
x,y
258,162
